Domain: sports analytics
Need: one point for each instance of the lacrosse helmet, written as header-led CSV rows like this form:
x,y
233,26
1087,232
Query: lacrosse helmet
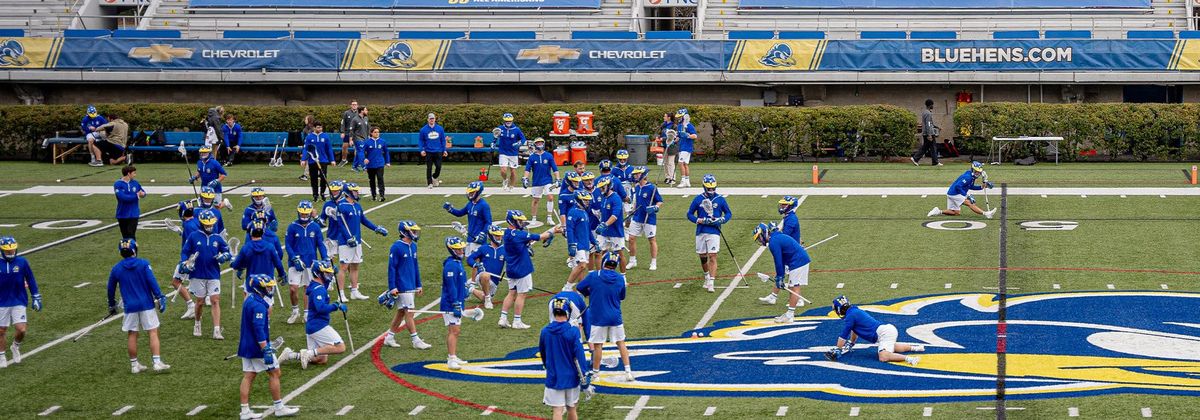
x,y
583,199
127,247
409,229
587,180
516,219
207,196
8,246
208,219
841,305
455,246
91,111
560,306
351,189
977,166
788,204
762,233
304,210
604,184
622,156
322,269
474,189
496,234
507,117
605,166
710,185
335,189
205,151
638,174
262,285
611,260
257,195
186,208
574,179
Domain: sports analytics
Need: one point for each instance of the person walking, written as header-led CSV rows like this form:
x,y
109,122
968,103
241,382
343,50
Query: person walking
x,y
128,192
433,149
929,133
375,158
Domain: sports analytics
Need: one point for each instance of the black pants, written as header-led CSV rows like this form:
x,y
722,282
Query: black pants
x,y
433,167
376,177
128,227
928,145
227,155
316,178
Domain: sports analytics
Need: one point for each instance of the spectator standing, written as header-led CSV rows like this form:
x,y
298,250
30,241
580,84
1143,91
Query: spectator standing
x,y
128,192
670,139
929,133
87,126
233,138
309,120
433,149
360,128
375,158
347,137
110,147
318,152
214,136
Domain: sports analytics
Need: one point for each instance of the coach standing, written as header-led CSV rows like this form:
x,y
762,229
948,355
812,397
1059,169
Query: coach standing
x,y
347,136
433,149
128,192
928,136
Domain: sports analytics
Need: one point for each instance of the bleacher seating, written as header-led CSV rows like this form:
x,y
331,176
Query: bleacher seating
x,y
431,35
37,17
503,35
146,34
661,35
604,35
86,33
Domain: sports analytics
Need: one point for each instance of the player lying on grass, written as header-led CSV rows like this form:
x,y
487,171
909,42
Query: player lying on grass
x,y
140,293
860,325
644,219
323,340
254,347
960,193
790,226
210,251
488,263
562,357
605,289
404,284
791,265
15,278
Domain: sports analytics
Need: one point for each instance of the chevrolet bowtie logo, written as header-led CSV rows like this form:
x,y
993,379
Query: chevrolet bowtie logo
x,y
160,53
548,54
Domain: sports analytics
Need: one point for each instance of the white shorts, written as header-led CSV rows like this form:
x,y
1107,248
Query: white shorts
x,y
450,319
561,397
539,191
97,135
406,300
12,315
521,285
202,288
509,161
685,157
600,335
708,243
324,337
887,337
299,277
332,247
611,243
954,202
140,321
348,255
641,229
257,365
580,257
180,276
798,276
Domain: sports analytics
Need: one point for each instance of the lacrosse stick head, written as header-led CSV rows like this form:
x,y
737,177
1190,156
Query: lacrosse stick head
x,y
763,276
235,246
477,314
496,132
672,135
181,149
170,224
458,227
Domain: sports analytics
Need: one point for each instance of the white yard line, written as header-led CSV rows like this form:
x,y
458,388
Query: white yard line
x,y
927,412
948,285
782,411
84,284
840,285
712,310
488,411
1164,286
5,195
50,411
710,411
344,410
1073,412
854,411
86,233
416,410
197,410
122,410
635,410
1146,412
800,201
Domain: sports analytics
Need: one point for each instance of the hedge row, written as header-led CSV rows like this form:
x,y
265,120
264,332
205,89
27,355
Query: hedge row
x,y
737,131
1113,130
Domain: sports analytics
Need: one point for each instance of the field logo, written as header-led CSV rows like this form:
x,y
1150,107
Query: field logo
x,y
548,54
161,53
12,54
1059,345
398,56
779,55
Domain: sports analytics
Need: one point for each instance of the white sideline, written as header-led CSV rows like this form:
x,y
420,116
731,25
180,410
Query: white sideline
x,y
712,310
82,234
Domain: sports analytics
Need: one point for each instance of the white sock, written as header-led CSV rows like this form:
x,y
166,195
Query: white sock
x,y
414,337
296,308
278,404
504,315
549,207
791,311
390,335
516,318
773,294
157,359
133,361
245,408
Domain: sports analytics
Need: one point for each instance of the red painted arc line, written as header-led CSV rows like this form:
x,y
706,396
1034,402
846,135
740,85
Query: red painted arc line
x,y
377,360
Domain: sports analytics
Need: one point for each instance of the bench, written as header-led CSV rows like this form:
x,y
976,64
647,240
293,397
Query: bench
x,y
266,141
61,147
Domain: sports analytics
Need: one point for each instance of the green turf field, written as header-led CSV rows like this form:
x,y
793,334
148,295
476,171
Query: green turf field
x,y
883,252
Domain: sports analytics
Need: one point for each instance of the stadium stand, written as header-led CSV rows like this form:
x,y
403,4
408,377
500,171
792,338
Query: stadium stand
x,y
37,17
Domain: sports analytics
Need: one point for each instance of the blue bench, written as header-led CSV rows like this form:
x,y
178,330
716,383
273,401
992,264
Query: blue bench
x,y
267,141
882,35
748,35
1150,35
12,33
1033,34
503,35
801,34
146,33
1068,34
1189,34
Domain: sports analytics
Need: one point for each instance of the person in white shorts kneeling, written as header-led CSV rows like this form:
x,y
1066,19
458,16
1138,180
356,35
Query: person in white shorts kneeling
x,y
860,325
322,339
140,294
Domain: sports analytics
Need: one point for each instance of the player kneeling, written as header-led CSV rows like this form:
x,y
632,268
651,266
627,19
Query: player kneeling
x,y
323,340
960,193
255,346
859,324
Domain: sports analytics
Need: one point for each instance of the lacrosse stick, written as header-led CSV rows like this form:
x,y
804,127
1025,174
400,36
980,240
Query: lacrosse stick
x,y
767,278
278,342
346,227
89,328
233,250
183,151
707,206
476,314
170,224
277,156
986,200
820,242
345,318
458,227
274,155
191,263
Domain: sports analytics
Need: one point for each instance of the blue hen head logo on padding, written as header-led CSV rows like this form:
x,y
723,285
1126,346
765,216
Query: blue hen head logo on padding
x,y
780,55
1059,345
398,56
12,53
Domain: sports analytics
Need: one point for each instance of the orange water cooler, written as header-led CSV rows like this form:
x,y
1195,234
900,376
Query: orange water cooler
x,y
584,123
560,124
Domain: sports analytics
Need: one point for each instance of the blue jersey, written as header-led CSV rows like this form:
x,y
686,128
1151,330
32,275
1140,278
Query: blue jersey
x,y
404,274
510,140
334,230
352,215
88,123
127,198
686,142
206,247
577,230
259,257
209,170
562,356
492,258
542,168
790,225
697,211
256,327
617,186
964,184
613,207
516,252
220,226
623,172
319,307
788,253
432,139
454,284
320,145
139,288
187,228
645,196
304,241
233,134
375,150
479,217
566,200
15,276
605,290
595,208
861,323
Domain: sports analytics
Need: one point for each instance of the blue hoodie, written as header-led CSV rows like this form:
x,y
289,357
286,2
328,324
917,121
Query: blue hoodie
x,y
319,307
790,225
209,170
454,284
139,288
516,252
233,135
352,214
645,196
404,274
304,240
208,246
788,253
613,207
258,257
861,323
562,355
720,209
432,139
964,184
256,327
376,151
541,168
605,290
510,141
566,199
14,276
334,230
187,228
479,217
322,145
269,234
492,258
127,198
577,229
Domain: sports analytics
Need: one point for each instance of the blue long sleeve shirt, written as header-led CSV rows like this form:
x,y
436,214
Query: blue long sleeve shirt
x,y
566,200
454,284
720,208
613,207
492,258
516,252
645,196
788,253
334,230
577,229
541,169
562,355
127,198
605,289
964,184
319,307
861,323
510,140
323,148
354,219
207,246
304,240
209,170
433,139
233,134
15,276
139,288
790,225
88,123
686,143
256,327
375,150
404,274
259,257
187,228
479,217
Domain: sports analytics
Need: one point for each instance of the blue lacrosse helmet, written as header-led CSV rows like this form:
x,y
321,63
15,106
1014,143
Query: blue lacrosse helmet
x,y
409,229
186,208
257,228
8,247
574,179
208,219
583,199
207,196
304,210
91,111
710,184
560,306
262,285
788,204
127,245
622,155
840,305
611,260
507,117
976,166
474,189
604,184
638,174
587,180
322,269
605,166
335,188
351,189
681,112
762,233
516,219
455,246
496,234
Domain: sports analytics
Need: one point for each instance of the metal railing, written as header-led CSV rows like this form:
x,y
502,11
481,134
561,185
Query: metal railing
x,y
982,24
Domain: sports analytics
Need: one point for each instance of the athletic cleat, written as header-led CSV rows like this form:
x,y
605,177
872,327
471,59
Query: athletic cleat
x,y
452,363
914,161
430,186
390,341
609,361
217,334
487,304
287,354
294,317
632,263
628,376
520,325
196,330
989,213
250,415
137,368
354,294
286,411
95,164
708,285
912,360
304,177
653,265
918,347
190,312
550,221
226,204
785,319
419,344
159,366
342,163
460,361
768,299
504,323
933,212
4,362
938,164
304,356
437,182
16,352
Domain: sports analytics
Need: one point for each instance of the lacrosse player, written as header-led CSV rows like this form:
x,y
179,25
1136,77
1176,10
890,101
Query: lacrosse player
x,y
644,221
375,158
790,226
350,213
624,173
305,247
562,357
404,284
188,225
509,139
960,193
323,340
260,209
566,195
255,349
519,265
15,278
611,230
128,191
861,325
686,133
479,216
588,183
488,262
606,169
334,230
544,172
791,265
258,256
708,211
579,238
605,289
204,275
318,155
210,173
139,292
208,201
454,296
